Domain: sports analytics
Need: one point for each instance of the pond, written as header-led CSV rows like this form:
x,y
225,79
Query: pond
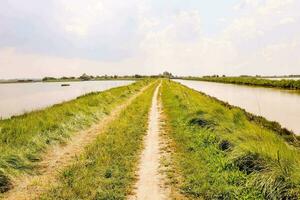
x,y
18,98
278,105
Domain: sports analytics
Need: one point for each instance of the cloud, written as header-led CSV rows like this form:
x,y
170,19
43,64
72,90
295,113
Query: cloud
x,y
287,20
182,48
244,4
282,53
80,16
275,6
233,51
280,58
20,65
90,29
64,37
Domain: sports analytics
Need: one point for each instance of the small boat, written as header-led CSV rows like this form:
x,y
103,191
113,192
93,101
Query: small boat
x,y
64,85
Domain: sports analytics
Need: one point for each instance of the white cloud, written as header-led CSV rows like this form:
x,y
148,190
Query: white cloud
x,y
275,6
29,65
275,59
222,20
78,16
148,36
246,4
181,48
281,53
245,28
264,16
287,20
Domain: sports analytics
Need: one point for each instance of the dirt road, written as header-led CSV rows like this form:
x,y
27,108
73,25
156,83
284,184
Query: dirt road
x,y
149,185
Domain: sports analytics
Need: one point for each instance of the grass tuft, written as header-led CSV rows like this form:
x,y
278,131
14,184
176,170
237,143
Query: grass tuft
x,y
250,163
200,122
225,145
5,183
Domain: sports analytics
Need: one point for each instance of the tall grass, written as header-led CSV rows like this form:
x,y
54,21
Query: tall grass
x,y
286,84
106,170
24,138
221,154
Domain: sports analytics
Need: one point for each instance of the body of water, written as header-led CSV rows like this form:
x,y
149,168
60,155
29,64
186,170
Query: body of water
x,y
278,105
17,98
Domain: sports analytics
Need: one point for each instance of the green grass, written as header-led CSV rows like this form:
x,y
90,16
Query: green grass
x,y
24,138
106,170
220,154
285,84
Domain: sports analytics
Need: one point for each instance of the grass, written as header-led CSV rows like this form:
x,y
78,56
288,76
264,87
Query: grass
x,y
220,154
24,138
106,170
285,84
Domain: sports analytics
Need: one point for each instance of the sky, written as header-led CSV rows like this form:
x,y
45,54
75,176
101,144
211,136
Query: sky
x,y
186,37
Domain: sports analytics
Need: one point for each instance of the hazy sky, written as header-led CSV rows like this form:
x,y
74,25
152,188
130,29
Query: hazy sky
x,y
187,37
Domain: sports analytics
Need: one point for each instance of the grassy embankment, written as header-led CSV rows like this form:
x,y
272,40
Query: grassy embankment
x,y
285,84
24,138
220,154
106,170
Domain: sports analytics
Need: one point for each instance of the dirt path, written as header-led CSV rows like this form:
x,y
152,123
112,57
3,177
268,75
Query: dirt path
x,y
150,185
58,157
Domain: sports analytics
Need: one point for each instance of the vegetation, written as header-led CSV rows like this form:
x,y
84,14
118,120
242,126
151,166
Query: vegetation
x,y
85,77
19,81
218,151
283,76
24,138
286,84
48,78
220,154
106,170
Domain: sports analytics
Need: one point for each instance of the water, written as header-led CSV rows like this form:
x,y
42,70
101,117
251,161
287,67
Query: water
x,y
17,98
278,105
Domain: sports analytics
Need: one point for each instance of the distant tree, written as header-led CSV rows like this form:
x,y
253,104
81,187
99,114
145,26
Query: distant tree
x,y
48,78
167,74
85,77
137,76
25,80
245,76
